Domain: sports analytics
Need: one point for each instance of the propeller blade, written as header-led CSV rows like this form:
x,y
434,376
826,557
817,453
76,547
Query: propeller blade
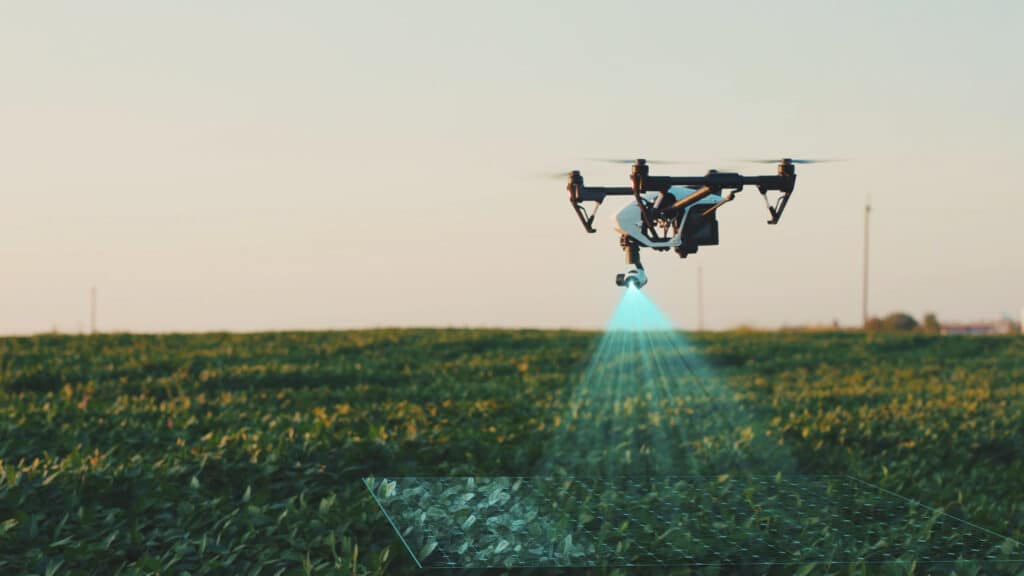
x,y
553,175
612,160
794,160
633,160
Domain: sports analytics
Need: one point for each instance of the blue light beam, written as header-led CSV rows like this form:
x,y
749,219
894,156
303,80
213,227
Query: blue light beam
x,y
648,405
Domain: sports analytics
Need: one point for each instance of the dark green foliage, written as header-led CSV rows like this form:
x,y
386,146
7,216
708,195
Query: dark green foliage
x,y
224,453
895,322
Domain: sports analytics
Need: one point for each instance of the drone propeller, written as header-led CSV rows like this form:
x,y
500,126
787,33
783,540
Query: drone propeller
x,y
633,161
794,160
561,175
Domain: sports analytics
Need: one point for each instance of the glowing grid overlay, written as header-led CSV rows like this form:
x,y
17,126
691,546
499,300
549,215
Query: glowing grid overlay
x,y
488,522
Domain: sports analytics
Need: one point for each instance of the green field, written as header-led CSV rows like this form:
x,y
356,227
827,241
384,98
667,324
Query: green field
x,y
233,454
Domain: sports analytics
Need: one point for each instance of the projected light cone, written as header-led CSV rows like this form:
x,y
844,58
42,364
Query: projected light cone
x,y
637,313
647,405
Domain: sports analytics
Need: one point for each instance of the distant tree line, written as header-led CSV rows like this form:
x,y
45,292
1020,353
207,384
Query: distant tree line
x,y
903,322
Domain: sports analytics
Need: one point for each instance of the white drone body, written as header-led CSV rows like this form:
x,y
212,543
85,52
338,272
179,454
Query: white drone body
x,y
629,221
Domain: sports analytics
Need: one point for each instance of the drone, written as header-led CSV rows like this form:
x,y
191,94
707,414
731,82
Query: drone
x,y
675,212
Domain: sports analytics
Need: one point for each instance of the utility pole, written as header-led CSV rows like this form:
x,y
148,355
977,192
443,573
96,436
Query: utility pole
x,y
700,299
92,309
864,296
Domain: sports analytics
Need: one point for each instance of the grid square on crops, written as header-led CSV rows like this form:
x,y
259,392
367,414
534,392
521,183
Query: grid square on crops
x,y
485,522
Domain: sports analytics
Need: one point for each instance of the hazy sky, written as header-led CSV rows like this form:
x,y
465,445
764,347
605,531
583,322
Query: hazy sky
x,y
268,165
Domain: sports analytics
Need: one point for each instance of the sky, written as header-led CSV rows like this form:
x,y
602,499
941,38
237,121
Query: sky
x,y
250,165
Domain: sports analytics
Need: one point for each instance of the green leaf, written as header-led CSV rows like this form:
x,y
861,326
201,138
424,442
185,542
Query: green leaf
x,y
326,504
427,549
805,569
53,566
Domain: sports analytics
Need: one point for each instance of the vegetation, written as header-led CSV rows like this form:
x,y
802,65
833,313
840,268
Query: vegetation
x,y
224,453
895,322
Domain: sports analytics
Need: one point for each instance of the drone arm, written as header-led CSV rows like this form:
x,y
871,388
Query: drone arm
x,y
715,180
720,180
598,193
783,184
